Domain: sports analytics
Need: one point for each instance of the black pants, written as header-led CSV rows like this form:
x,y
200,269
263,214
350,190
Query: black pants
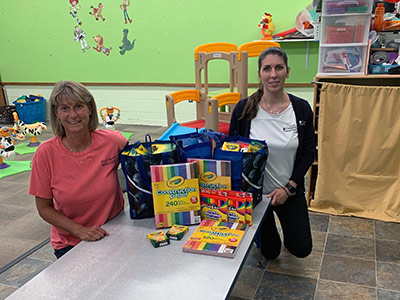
x,y
293,216
60,252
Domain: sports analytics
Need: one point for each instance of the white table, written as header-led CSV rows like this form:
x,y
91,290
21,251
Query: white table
x,y
125,265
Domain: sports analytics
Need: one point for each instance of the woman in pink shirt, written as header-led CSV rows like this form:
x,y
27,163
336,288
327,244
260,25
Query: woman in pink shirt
x,y
74,174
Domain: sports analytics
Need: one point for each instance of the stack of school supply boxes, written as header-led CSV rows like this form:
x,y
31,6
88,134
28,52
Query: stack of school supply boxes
x,y
187,193
217,200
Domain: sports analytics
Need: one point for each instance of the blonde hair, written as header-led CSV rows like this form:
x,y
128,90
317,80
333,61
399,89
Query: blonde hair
x,y
71,90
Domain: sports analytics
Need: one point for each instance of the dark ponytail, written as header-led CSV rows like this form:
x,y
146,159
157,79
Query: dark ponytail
x,y
251,108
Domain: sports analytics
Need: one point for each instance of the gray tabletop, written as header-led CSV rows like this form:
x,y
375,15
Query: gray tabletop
x,y
125,265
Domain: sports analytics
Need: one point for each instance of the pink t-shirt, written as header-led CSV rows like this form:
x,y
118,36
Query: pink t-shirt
x,y
84,185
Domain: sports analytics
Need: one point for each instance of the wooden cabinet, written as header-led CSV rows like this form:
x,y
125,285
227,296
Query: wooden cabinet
x,y
2,96
366,80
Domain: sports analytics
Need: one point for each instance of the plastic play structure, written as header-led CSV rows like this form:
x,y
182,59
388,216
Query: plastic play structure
x,y
208,114
246,50
6,146
203,54
23,130
110,115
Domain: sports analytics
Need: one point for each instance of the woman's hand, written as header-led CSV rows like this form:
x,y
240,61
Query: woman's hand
x,y
92,233
278,196
49,214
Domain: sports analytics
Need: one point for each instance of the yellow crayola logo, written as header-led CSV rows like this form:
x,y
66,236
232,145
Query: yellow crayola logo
x,y
220,228
208,176
175,181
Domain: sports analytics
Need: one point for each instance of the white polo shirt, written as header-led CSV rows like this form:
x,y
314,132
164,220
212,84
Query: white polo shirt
x,y
280,133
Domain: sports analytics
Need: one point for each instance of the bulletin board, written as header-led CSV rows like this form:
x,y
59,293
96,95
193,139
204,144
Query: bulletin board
x,y
152,42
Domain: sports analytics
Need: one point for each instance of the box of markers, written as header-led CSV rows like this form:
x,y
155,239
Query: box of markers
x,y
213,206
240,206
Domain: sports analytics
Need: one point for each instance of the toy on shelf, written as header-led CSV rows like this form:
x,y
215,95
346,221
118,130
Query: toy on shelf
x,y
32,130
110,115
7,135
267,26
203,54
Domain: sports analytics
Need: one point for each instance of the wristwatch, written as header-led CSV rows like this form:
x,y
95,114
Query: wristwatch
x,y
292,190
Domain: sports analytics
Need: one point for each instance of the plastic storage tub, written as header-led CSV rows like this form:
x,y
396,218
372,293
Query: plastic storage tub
x,y
31,111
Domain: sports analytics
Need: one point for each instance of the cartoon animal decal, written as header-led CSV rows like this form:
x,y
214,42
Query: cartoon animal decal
x,y
7,147
124,7
96,12
74,10
110,115
100,46
126,44
23,130
79,36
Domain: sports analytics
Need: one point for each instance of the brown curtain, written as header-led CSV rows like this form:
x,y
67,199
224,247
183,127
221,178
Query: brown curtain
x,y
359,152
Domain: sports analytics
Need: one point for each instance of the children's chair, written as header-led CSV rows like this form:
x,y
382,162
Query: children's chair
x,y
215,119
251,49
202,55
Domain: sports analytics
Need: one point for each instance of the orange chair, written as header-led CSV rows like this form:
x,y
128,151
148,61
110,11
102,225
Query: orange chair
x,y
218,120
203,54
251,49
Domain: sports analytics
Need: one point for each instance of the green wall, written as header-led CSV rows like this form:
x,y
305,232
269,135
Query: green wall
x,y
37,42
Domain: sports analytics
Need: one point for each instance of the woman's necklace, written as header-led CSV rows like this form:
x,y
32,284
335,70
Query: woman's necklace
x,y
274,111
66,144
271,111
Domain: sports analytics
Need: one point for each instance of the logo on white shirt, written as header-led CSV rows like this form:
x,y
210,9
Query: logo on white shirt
x,y
291,128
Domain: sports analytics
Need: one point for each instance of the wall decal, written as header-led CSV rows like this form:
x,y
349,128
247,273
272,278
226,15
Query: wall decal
x,y
79,36
126,44
100,46
74,10
97,12
124,7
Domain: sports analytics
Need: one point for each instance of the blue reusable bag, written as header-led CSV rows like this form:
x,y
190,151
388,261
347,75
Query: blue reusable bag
x,y
138,177
247,167
197,144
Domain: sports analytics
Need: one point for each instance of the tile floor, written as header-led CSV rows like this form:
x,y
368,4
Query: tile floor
x,y
353,258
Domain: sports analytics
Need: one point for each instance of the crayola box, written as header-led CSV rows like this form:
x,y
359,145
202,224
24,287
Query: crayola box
x,y
175,190
216,238
213,206
177,232
213,174
158,239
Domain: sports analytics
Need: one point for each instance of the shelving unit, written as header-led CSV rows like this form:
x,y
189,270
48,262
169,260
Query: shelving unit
x,y
344,37
367,80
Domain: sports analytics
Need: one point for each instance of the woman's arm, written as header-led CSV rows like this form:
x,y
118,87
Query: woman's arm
x,y
51,215
306,154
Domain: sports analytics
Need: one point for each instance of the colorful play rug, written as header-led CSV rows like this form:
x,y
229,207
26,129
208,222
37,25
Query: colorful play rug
x,y
24,149
15,168
127,134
